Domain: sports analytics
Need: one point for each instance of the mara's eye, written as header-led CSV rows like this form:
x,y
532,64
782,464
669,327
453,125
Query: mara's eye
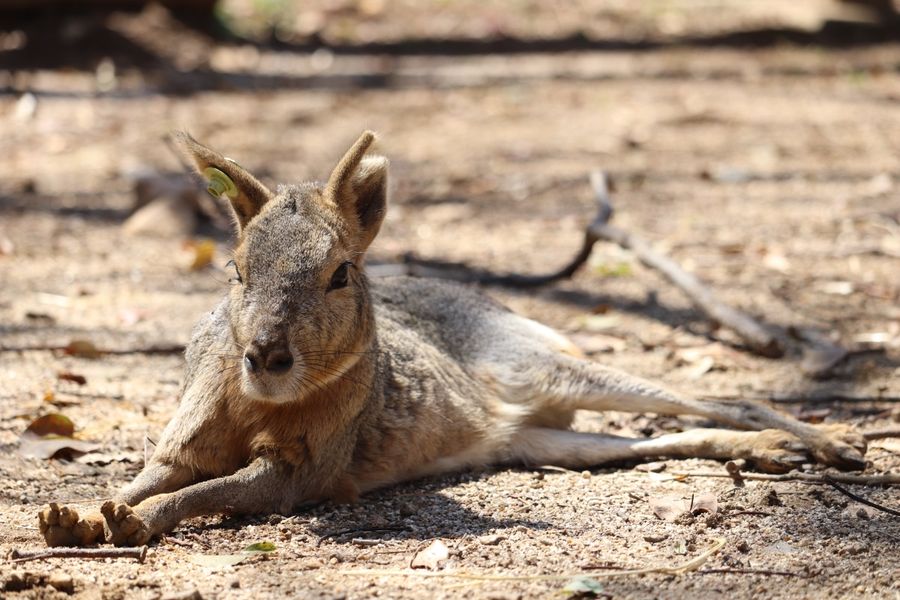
x,y
237,274
340,277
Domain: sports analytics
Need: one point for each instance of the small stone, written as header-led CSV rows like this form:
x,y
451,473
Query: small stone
x,y
863,514
234,583
655,539
62,583
491,540
585,474
743,546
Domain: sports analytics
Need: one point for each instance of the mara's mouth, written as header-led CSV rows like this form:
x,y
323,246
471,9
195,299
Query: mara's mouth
x,y
278,387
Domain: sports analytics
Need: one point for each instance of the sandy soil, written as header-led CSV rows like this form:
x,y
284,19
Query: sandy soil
x,y
770,172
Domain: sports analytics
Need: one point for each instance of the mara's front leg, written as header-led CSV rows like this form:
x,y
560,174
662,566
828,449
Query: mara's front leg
x,y
262,487
64,526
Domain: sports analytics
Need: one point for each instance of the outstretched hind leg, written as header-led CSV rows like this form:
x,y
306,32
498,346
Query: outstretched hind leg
x,y
770,450
580,384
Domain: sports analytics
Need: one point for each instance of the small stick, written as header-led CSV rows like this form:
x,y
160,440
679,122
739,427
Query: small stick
x,y
749,572
887,479
860,499
881,434
25,555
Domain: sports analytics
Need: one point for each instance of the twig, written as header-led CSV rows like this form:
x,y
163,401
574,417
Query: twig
x,y
691,565
758,337
25,555
881,434
886,479
860,499
345,532
751,331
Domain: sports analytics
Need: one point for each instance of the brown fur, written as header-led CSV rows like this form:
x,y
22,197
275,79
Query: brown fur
x,y
308,383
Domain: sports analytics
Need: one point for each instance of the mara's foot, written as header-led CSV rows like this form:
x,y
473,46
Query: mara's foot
x,y
839,445
123,526
773,450
62,526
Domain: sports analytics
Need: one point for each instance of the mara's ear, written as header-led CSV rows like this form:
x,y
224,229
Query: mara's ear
x,y
358,186
225,177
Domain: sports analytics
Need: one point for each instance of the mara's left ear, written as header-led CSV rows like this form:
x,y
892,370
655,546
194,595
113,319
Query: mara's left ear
x,y
358,187
225,177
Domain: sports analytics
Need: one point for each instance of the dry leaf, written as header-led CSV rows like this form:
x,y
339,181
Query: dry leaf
x,y
706,502
82,349
73,377
431,557
218,561
204,252
49,435
670,508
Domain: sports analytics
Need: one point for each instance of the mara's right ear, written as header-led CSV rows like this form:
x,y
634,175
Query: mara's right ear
x,y
224,176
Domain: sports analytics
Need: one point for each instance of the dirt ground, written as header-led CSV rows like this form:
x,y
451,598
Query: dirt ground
x,y
768,169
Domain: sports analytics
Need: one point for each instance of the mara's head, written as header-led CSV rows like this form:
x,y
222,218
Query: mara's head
x,y
300,311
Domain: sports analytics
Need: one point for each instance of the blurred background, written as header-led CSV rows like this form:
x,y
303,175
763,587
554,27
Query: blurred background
x,y
757,143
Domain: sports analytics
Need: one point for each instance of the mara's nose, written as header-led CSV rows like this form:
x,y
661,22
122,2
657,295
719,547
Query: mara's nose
x,y
274,358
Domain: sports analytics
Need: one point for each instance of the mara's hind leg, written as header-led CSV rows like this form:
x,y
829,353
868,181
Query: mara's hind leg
x,y
575,383
770,449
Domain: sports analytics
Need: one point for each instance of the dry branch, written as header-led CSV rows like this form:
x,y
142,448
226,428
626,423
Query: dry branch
x,y
25,555
755,335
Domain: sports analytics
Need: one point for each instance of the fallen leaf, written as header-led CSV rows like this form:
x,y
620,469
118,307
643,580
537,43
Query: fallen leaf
x,y
49,435
219,561
620,269
204,252
52,424
260,547
430,557
584,587
73,377
706,502
670,508
82,349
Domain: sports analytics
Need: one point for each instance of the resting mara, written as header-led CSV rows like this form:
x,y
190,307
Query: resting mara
x,y
309,382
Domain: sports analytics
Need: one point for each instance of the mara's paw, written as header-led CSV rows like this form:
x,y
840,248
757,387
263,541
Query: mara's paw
x,y
839,445
774,451
62,526
123,526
